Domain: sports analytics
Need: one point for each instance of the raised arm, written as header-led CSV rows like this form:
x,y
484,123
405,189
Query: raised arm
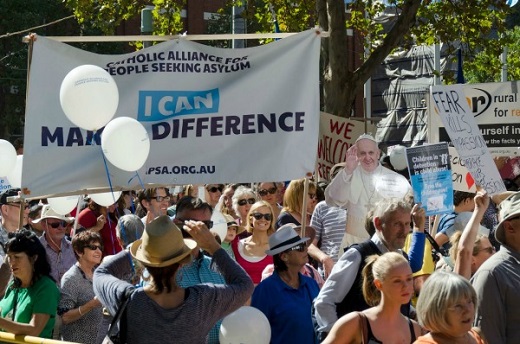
x,y
469,234
416,251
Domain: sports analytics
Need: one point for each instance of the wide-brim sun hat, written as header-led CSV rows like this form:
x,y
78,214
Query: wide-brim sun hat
x,y
162,244
283,239
49,213
509,208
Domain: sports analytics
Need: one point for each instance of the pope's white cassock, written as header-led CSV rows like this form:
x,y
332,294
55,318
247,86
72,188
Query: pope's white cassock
x,y
358,193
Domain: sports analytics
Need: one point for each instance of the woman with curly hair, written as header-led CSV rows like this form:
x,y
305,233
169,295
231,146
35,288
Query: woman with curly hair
x,y
80,310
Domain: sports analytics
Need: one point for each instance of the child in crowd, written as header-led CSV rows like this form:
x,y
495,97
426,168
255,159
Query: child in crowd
x,y
233,229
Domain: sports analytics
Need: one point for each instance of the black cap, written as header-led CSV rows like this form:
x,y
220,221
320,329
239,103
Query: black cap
x,y
8,193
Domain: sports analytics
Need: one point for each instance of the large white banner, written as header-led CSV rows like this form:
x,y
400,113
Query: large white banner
x,y
213,115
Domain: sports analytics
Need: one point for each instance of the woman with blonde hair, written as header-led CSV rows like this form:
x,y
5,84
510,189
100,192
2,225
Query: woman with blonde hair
x,y
292,211
446,308
250,252
387,284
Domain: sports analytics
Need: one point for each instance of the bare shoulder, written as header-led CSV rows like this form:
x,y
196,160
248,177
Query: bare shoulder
x,y
346,330
418,329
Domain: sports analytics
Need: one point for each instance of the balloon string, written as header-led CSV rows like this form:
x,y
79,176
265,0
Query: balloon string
x,y
108,175
138,177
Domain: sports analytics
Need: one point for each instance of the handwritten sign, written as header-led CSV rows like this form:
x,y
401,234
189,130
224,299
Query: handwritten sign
x,y
450,104
462,179
337,134
430,174
496,109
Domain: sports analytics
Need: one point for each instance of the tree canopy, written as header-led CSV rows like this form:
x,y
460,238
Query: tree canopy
x,y
479,26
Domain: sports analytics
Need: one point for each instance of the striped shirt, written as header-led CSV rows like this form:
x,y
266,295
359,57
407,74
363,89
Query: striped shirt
x,y
330,223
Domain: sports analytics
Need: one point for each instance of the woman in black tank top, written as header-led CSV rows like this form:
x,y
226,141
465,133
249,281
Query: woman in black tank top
x,y
387,284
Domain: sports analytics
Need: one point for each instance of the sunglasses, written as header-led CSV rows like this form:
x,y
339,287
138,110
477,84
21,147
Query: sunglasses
x,y
264,192
55,225
94,247
312,196
300,248
161,198
258,216
214,189
181,222
245,201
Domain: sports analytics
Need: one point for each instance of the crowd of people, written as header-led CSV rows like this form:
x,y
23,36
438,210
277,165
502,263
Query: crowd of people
x,y
338,262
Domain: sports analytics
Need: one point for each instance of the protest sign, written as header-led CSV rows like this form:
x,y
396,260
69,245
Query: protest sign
x,y
462,179
496,109
337,134
212,115
449,103
430,175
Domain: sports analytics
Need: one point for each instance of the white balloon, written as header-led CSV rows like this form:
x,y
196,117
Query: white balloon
x,y
219,224
15,176
89,97
7,157
398,158
63,205
125,143
245,325
106,199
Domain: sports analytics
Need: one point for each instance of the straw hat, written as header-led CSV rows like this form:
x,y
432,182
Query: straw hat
x,y
283,239
162,244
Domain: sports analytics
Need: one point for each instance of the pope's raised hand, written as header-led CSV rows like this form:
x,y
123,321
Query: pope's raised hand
x,y
351,161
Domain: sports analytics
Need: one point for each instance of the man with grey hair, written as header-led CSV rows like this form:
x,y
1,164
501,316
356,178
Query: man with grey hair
x,y
129,228
498,279
341,293
360,185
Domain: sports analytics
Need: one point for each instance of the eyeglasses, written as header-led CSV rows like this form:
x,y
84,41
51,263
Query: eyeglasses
x,y
462,306
264,192
489,250
245,201
181,222
312,196
161,198
214,189
94,247
258,216
300,248
55,225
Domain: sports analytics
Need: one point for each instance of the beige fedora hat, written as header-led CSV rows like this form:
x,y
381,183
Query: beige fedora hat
x,y
162,244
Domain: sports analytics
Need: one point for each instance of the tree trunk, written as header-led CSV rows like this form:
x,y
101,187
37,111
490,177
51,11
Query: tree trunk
x,y
340,85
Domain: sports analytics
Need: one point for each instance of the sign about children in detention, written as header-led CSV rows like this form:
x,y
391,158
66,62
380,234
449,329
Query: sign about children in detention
x,y
451,106
430,174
